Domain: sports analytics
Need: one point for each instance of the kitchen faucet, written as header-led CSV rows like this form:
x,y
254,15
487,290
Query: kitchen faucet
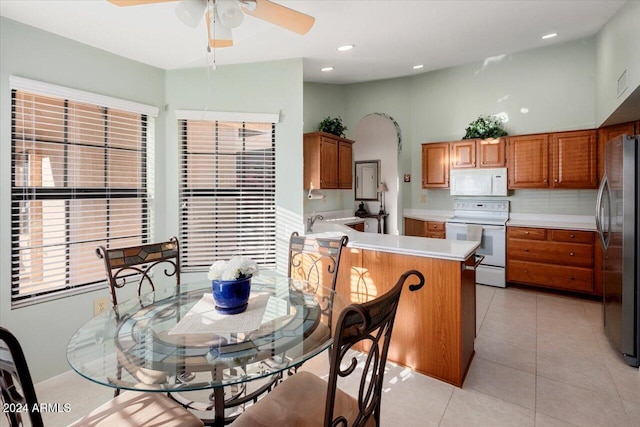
x,y
311,220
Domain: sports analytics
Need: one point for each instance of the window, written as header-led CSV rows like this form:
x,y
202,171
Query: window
x,y
227,191
79,180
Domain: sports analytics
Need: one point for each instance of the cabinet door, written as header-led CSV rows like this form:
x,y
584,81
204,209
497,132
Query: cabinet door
x,y
608,133
435,165
414,227
463,154
528,161
573,159
345,169
490,153
328,163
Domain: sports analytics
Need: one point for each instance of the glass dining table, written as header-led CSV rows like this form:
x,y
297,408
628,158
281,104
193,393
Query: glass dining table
x,y
174,341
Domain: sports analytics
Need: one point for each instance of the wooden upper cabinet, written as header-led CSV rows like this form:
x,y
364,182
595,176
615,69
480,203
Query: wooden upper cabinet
x,y
607,133
435,165
463,154
556,160
327,161
478,153
528,161
345,160
573,160
491,153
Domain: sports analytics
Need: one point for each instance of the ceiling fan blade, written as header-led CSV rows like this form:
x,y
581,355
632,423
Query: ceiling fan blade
x,y
136,2
219,35
280,15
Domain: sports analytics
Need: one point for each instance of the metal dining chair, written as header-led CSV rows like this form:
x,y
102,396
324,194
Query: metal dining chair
x,y
129,408
137,264
316,262
306,400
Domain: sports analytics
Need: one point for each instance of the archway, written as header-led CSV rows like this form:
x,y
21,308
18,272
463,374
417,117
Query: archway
x,y
378,137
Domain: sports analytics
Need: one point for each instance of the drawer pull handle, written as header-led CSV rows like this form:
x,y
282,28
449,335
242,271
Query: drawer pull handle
x,y
572,236
572,278
526,272
526,233
526,249
572,254
435,226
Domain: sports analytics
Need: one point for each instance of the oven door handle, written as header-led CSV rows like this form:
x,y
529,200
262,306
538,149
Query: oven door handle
x,y
493,227
463,226
479,259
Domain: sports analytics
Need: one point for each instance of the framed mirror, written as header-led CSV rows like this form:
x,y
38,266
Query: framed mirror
x,y
367,179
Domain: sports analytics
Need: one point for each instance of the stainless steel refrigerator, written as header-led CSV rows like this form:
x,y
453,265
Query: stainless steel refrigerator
x,y
618,223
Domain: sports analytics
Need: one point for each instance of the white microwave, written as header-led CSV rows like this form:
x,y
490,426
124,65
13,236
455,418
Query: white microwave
x,y
478,182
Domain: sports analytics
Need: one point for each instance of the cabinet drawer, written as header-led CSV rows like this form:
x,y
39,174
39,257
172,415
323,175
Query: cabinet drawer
x,y
551,252
527,233
572,236
554,276
435,226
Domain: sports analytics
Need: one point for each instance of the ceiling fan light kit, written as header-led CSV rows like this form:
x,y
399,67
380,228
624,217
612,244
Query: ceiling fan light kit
x,y
190,12
223,15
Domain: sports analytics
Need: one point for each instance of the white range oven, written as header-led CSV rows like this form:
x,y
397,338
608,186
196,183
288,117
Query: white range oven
x,y
484,220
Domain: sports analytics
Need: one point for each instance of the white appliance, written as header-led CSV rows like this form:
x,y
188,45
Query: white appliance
x,y
492,217
478,182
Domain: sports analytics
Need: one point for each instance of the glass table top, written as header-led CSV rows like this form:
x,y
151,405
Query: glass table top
x,y
173,341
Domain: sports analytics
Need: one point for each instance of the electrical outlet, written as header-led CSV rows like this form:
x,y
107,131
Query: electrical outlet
x,y
100,305
423,198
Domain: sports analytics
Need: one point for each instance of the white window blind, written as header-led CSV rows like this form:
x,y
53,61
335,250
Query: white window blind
x,y
227,192
79,180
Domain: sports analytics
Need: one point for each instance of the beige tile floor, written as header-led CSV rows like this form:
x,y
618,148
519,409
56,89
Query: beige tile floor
x,y
541,360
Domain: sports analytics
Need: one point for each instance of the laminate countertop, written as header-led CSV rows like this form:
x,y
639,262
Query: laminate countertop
x,y
561,222
456,250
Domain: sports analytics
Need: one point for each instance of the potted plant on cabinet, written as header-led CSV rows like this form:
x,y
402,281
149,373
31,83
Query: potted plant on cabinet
x,y
485,127
333,126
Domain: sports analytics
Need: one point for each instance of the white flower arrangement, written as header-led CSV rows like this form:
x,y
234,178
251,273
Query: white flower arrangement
x,y
238,267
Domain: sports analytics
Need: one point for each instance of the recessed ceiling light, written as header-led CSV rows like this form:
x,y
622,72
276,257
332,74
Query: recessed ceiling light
x,y
346,47
325,69
549,36
417,67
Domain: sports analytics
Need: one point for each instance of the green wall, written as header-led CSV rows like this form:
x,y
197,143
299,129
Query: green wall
x,y
44,329
555,84
618,49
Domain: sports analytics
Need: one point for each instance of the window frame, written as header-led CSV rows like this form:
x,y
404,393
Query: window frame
x,y
19,195
186,194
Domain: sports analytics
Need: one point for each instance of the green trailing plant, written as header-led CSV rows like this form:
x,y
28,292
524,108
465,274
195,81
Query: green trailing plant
x,y
485,127
333,126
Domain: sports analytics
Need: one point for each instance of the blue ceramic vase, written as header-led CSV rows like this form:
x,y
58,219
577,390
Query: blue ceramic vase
x,y
231,296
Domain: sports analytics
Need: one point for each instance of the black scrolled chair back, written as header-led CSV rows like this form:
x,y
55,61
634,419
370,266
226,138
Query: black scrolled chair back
x,y
316,262
121,263
369,323
16,387
310,259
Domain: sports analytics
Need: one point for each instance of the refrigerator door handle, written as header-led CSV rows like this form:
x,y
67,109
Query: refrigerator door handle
x,y
603,192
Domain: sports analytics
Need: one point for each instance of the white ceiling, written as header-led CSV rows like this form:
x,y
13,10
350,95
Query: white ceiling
x,y
390,35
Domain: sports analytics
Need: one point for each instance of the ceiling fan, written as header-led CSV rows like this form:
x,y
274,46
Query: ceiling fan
x,y
223,15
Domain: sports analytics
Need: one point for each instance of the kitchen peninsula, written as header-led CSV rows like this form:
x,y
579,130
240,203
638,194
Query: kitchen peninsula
x,y
435,327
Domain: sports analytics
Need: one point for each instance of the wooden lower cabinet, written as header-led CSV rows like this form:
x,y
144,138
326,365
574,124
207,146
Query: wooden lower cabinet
x,y
559,259
358,226
435,327
419,228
